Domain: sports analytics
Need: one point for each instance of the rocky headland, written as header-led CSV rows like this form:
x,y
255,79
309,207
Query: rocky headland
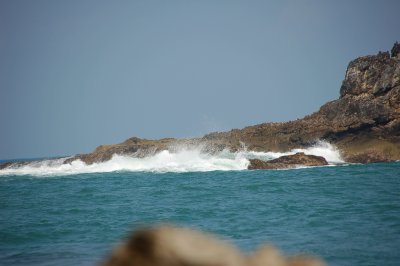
x,y
364,123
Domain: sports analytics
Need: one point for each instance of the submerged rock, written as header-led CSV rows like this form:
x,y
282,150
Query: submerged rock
x,y
289,161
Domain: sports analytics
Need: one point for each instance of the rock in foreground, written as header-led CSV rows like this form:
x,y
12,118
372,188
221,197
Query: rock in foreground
x,y
289,161
172,246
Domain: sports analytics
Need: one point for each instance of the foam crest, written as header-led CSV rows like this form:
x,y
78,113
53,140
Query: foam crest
x,y
185,160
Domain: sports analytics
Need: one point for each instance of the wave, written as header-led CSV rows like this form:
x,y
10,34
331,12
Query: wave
x,y
183,160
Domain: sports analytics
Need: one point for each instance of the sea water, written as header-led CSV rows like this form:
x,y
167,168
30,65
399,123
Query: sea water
x,y
54,214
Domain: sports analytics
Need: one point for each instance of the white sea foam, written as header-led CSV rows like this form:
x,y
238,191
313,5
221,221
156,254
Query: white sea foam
x,y
321,148
185,160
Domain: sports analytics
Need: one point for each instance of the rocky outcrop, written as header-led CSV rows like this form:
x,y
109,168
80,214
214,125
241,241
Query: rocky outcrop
x,y
134,147
364,123
289,161
365,119
13,164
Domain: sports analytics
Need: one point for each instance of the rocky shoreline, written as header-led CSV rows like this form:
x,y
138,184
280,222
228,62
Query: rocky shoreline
x,y
364,123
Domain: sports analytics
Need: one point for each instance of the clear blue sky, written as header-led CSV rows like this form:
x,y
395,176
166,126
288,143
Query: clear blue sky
x,y
76,74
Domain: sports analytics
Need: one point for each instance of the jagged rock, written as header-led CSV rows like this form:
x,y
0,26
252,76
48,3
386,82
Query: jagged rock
x,y
396,49
15,164
289,161
134,146
6,165
374,74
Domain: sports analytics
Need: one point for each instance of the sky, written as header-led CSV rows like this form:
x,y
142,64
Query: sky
x,y
76,74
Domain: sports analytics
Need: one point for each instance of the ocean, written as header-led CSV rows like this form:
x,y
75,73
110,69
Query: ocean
x,y
54,214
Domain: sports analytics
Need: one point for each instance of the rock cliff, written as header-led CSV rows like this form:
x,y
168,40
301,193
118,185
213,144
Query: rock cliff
x,y
364,122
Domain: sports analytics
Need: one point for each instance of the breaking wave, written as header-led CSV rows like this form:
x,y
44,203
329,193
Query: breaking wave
x,y
185,160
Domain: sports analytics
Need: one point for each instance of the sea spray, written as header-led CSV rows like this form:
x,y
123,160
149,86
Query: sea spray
x,y
321,148
181,160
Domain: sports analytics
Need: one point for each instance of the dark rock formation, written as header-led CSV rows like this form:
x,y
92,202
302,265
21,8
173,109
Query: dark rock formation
x,y
15,164
289,161
364,123
6,165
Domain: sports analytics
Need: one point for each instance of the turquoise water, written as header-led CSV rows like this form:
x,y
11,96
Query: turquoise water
x,y
349,215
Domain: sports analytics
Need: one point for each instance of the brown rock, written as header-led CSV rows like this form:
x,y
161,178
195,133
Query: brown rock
x,y
6,165
134,147
289,161
172,246
15,164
